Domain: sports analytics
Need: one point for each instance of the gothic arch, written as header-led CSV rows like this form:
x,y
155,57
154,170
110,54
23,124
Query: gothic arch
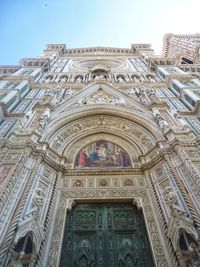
x,y
186,229
36,235
66,132
75,115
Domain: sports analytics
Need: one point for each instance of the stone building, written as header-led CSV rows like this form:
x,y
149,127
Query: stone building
x,y
100,157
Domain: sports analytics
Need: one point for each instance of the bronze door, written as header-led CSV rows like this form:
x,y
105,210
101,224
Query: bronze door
x,y
105,235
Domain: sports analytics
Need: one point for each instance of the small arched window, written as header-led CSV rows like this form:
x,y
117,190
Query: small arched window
x,y
185,241
23,250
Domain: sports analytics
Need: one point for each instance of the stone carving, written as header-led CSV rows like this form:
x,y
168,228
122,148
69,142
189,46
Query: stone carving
x,y
63,79
193,153
58,141
58,97
21,125
128,182
48,96
103,182
108,122
43,120
78,183
39,197
142,93
99,77
12,156
4,172
153,97
48,79
151,78
161,122
181,121
170,197
100,97
79,79
46,172
121,79
160,171
100,121
136,78
131,92
2,155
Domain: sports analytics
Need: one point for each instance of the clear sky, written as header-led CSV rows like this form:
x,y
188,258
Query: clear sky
x,y
26,26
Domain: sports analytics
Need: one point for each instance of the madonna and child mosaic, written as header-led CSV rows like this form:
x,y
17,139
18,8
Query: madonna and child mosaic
x,y
103,154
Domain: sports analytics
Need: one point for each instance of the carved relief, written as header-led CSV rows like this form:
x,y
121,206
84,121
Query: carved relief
x,y
4,172
128,182
92,124
78,183
100,97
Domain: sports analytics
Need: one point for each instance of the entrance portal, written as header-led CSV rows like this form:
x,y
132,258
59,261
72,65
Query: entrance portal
x,y
105,235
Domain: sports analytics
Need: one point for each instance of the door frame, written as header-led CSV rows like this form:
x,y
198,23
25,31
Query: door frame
x,y
139,197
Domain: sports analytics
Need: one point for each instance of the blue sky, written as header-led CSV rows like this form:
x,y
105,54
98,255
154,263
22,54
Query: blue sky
x,y
26,26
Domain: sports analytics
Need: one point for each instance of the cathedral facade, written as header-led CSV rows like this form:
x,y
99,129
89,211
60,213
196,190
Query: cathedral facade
x,y
100,157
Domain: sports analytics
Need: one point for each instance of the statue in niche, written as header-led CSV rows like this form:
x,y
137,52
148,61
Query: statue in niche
x,y
152,96
121,79
136,78
63,79
48,95
100,77
58,98
48,79
79,79
103,154
161,122
181,121
43,119
23,122
151,78
143,95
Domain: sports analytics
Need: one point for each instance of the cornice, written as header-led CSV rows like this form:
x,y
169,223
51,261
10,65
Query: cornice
x,y
95,51
100,172
180,77
193,112
16,78
83,84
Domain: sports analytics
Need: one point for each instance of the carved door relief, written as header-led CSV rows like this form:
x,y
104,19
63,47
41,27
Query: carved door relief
x,y
105,234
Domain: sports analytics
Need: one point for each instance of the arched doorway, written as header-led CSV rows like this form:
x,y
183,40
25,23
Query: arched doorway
x,y
105,234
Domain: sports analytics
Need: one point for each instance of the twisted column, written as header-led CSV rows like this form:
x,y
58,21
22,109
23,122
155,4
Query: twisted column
x,y
184,192
5,251
174,258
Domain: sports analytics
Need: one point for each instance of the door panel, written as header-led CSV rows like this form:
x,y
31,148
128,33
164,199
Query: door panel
x,y
106,234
